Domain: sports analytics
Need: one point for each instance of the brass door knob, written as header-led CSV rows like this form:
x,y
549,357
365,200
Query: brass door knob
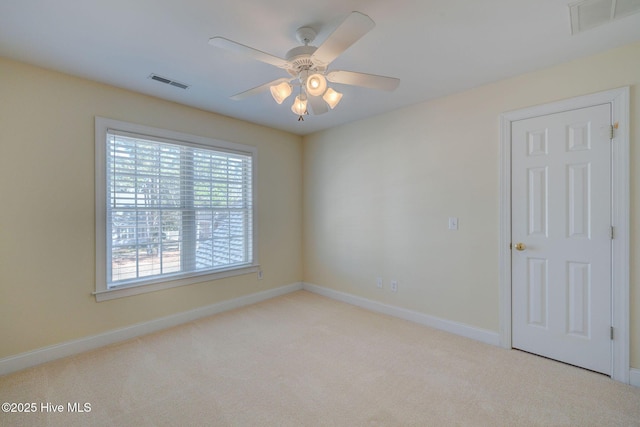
x,y
520,246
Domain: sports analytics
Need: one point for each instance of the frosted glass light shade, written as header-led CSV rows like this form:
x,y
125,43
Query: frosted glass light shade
x,y
299,106
281,92
316,84
332,97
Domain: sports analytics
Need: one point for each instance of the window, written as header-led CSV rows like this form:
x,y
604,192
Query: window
x,y
171,209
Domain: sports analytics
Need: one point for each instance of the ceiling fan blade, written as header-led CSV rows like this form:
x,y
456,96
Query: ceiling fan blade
x,y
318,106
236,47
259,89
371,81
348,32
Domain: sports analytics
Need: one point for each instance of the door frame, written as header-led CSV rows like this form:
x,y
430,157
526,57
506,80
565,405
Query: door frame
x,y
620,194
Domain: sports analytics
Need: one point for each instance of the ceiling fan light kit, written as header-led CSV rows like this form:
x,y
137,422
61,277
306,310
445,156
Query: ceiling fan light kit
x,y
316,85
331,97
281,91
299,106
308,65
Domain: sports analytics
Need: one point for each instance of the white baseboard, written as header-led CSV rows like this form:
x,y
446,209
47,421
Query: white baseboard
x,y
634,377
69,348
483,335
47,354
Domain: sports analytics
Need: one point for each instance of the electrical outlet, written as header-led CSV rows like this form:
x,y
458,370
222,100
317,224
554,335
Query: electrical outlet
x,y
379,282
394,286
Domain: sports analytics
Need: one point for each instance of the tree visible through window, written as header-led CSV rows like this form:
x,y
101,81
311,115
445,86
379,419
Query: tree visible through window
x,y
174,209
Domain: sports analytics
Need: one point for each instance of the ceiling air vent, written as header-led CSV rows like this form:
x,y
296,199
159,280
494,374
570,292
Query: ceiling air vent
x,y
168,81
589,14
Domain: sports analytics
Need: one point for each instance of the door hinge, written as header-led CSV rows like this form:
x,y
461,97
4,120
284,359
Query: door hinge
x,y
613,235
612,332
612,130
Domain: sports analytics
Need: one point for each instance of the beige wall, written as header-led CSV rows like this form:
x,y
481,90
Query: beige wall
x,y
378,193
47,243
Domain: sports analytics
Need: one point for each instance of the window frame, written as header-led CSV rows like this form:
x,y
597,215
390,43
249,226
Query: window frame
x,y
102,127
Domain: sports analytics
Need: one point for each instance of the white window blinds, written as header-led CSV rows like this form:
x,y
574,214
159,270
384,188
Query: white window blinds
x,y
174,209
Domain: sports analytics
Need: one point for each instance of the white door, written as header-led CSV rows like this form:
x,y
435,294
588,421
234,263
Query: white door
x,y
561,234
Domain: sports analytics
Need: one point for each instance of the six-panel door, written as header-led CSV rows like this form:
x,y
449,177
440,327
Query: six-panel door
x,y
561,214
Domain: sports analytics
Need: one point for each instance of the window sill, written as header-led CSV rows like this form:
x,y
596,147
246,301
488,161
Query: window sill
x,y
130,290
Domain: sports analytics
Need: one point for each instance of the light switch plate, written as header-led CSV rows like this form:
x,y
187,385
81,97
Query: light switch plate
x,y
453,223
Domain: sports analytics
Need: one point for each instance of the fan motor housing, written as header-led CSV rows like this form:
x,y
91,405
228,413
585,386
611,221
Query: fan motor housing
x,y
300,57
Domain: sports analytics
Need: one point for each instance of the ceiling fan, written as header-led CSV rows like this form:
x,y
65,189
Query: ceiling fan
x,y
308,67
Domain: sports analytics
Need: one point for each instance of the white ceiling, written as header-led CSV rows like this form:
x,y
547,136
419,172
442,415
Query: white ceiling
x,y
435,47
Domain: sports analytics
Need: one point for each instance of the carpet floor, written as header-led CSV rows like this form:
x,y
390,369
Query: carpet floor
x,y
305,360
